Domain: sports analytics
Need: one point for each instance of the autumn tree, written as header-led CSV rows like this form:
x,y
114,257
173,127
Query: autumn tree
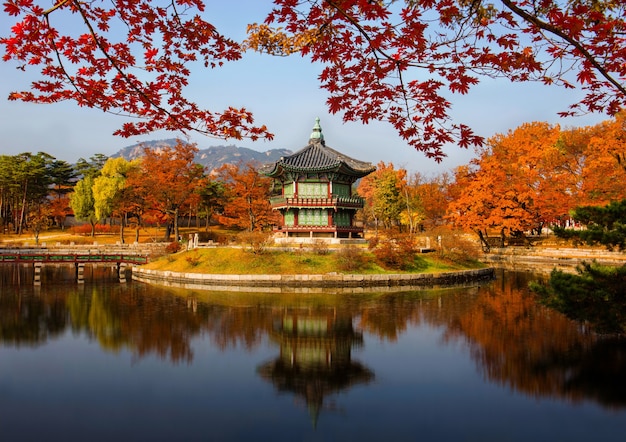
x,y
533,176
167,179
247,194
383,191
83,203
395,61
497,191
432,193
111,193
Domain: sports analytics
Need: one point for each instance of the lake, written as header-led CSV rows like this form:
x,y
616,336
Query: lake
x,y
104,361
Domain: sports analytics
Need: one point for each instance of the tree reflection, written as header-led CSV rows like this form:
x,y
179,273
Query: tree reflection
x,y
518,343
513,340
30,319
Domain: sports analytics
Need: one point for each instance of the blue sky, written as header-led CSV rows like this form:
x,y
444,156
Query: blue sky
x,y
283,93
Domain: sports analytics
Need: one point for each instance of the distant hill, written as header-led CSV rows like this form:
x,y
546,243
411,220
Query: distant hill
x,y
212,157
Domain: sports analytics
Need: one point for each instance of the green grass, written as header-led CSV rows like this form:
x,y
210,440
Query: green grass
x,y
225,260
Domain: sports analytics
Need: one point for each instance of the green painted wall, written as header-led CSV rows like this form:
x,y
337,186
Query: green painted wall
x,y
342,218
313,217
341,189
312,190
290,218
289,190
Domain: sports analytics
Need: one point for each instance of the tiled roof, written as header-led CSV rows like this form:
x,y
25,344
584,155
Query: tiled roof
x,y
318,157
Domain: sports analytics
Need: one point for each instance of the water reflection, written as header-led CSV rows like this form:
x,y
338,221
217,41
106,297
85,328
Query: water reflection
x,y
512,340
315,359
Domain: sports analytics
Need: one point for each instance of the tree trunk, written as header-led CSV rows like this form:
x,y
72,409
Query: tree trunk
x,y
19,227
483,241
122,230
168,232
176,230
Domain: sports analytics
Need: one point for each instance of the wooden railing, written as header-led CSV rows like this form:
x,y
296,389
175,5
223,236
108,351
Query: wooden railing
x,y
335,201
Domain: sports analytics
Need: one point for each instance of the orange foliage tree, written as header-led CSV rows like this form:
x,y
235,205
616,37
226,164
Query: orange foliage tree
x,y
534,175
432,194
498,190
247,194
166,180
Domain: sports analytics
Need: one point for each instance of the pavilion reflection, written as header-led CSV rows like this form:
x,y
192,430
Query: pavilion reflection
x,y
315,359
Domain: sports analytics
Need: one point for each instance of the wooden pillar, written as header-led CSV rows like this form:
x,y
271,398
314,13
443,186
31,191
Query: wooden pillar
x,y
37,276
80,273
121,271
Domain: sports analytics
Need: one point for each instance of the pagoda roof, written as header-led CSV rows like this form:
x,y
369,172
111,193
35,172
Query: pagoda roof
x,y
317,157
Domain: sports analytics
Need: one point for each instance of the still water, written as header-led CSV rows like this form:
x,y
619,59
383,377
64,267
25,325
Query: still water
x,y
105,361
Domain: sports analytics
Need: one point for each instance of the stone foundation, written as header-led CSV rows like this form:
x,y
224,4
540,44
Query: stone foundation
x,y
311,283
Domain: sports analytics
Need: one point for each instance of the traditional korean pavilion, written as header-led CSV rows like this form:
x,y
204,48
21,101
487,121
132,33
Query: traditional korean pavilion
x,y
313,191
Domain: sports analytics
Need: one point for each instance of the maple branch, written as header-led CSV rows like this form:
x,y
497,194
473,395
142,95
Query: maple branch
x,y
575,43
117,68
362,31
55,7
56,50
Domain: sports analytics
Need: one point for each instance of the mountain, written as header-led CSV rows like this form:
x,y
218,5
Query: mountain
x,y
212,157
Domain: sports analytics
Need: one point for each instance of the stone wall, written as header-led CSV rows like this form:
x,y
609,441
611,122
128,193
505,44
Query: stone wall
x,y
321,281
544,259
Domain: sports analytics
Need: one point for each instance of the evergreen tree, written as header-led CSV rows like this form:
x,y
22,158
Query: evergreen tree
x,y
603,225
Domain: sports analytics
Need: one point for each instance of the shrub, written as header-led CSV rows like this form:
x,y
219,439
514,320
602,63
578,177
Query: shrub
x,y
320,247
210,236
395,252
457,248
173,247
351,259
257,241
193,259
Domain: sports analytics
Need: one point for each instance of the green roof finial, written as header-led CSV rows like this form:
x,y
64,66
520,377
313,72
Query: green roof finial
x,y
317,131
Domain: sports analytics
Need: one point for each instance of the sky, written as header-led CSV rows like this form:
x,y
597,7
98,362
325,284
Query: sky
x,y
284,94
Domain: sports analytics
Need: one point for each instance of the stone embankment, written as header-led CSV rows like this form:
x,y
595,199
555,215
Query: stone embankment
x,y
144,249
546,259
310,283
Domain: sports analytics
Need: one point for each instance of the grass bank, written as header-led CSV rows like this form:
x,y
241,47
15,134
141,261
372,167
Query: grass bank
x,y
239,261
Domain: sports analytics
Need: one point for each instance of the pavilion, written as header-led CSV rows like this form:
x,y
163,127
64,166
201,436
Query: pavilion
x,y
313,192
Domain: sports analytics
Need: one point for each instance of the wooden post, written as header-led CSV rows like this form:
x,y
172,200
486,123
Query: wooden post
x,y
80,273
37,277
121,271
